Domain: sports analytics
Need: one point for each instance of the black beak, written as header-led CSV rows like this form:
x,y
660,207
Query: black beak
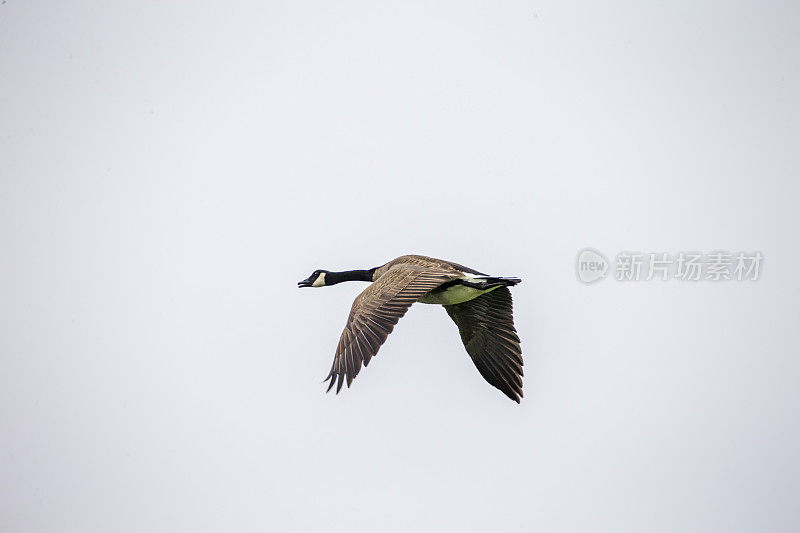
x,y
305,283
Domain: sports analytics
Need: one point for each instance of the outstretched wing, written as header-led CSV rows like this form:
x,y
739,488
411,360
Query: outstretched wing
x,y
486,324
375,313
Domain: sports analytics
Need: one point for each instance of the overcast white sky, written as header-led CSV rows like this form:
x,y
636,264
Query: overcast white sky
x,y
169,171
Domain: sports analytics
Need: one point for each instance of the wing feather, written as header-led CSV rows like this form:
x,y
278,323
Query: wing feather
x,y
376,311
486,325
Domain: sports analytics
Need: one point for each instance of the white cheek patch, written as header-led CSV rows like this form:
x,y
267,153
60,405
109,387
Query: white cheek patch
x,y
320,281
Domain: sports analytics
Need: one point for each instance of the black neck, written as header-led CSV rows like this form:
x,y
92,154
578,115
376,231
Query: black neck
x,y
332,278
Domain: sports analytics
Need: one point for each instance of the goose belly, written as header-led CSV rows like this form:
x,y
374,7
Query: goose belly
x,y
453,295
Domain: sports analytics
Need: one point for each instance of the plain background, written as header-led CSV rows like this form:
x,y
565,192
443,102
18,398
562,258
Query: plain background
x,y
169,171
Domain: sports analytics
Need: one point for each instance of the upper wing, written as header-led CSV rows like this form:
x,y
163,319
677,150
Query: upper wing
x,y
486,324
374,314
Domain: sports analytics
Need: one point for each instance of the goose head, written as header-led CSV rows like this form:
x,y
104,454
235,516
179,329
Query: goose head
x,y
316,279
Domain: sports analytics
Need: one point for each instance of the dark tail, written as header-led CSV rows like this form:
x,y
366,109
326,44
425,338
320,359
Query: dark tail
x,y
488,282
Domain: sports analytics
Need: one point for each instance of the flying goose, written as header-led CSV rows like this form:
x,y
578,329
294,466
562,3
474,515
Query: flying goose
x,y
480,305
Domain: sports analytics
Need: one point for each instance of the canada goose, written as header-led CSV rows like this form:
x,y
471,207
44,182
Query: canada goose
x,y
480,305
